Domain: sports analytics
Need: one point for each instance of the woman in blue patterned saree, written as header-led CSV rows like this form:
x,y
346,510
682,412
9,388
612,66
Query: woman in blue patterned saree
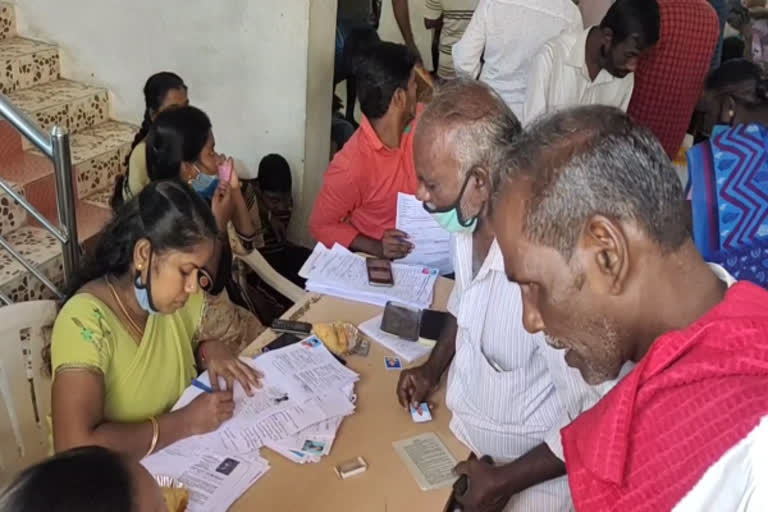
x,y
728,173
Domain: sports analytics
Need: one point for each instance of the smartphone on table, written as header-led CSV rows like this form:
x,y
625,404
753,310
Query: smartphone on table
x,y
379,272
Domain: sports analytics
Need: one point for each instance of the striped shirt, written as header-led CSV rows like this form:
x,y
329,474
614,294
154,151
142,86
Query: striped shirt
x,y
508,391
456,15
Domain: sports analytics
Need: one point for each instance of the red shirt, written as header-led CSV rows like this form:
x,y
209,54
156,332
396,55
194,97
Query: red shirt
x,y
695,394
359,194
670,78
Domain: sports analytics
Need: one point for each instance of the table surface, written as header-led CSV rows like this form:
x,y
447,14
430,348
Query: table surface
x,y
369,432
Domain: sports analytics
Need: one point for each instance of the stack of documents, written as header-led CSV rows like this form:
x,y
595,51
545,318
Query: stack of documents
x,y
408,350
341,273
305,395
431,243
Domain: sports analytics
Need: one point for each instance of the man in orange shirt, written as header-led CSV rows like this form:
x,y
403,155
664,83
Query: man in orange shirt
x,y
357,204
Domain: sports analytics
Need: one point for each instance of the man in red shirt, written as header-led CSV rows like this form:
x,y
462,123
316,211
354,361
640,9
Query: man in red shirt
x,y
669,79
357,205
591,225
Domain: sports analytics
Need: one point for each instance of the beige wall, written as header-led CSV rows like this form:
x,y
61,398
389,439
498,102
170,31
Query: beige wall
x,y
261,69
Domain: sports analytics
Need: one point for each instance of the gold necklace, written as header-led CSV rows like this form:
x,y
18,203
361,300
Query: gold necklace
x,y
122,307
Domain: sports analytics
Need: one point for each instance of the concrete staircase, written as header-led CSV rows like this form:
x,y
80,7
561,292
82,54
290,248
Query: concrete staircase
x,y
30,77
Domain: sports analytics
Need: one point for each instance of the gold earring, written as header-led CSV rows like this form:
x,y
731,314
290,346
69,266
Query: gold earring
x,y
139,267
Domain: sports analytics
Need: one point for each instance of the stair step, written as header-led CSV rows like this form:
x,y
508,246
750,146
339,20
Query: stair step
x,y
70,104
12,215
43,250
98,154
27,63
7,21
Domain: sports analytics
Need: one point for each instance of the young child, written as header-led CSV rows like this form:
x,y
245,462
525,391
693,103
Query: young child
x,y
273,192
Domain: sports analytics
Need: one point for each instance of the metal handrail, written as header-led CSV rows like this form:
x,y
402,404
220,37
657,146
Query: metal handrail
x,y
56,147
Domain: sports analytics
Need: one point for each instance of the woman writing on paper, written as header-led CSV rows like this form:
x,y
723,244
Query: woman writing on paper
x,y
124,346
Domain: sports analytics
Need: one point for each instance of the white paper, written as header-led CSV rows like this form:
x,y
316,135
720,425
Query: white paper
x,y
341,273
407,350
306,392
214,481
431,243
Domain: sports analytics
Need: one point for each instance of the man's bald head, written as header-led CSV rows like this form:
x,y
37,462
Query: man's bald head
x,y
594,160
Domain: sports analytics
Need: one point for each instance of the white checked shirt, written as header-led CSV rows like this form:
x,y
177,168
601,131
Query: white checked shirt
x,y
503,37
508,390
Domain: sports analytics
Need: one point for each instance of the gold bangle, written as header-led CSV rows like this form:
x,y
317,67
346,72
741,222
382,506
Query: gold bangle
x,y
155,435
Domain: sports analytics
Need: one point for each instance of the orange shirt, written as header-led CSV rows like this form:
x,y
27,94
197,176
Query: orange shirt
x,y
359,194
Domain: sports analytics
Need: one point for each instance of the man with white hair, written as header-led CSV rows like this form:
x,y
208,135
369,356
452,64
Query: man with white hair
x,y
508,392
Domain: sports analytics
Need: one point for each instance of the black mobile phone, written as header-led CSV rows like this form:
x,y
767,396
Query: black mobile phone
x,y
432,323
379,272
291,327
281,341
401,321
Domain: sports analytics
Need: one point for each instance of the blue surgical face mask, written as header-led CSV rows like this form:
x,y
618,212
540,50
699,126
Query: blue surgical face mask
x,y
144,291
450,218
204,184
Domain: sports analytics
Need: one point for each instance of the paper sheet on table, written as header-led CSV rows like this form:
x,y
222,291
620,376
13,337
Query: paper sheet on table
x,y
408,350
428,460
214,481
302,386
341,273
431,243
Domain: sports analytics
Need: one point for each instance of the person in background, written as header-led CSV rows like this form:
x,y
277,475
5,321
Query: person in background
x,y
448,18
274,187
728,173
352,42
181,146
595,66
508,393
357,204
669,80
614,277
722,9
87,479
124,345
499,45
162,91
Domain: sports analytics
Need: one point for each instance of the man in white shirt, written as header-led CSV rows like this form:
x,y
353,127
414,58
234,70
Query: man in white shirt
x,y
504,36
508,392
594,66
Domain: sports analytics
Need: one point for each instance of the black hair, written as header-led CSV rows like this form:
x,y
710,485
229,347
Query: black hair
x,y
156,89
385,68
169,214
274,174
741,79
92,479
594,160
177,135
626,18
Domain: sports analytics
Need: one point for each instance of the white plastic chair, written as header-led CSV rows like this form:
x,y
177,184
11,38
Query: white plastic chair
x,y
25,387
272,277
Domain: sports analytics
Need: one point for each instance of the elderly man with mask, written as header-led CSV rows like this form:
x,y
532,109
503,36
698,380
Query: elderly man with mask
x,y
508,392
592,227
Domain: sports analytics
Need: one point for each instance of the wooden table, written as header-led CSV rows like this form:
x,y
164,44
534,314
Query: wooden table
x,y
369,432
